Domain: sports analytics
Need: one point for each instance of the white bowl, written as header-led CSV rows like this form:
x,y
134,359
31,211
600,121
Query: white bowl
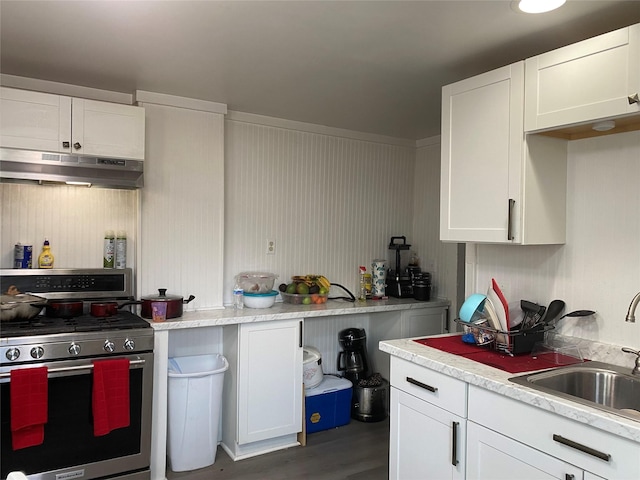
x,y
259,300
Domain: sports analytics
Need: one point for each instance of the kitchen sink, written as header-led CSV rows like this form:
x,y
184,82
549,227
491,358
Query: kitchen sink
x,y
600,385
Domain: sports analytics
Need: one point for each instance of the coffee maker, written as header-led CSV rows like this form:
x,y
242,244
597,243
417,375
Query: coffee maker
x,y
353,359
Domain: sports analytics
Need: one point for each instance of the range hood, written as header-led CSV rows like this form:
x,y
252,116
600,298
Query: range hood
x,y
44,167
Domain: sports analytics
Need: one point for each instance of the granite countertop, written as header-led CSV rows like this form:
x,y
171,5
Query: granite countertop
x,y
496,380
285,311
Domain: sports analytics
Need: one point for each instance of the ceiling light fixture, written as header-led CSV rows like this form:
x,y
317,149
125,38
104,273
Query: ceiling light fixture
x,y
539,6
604,126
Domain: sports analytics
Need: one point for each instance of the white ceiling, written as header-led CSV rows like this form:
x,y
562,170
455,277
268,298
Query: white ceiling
x,y
370,66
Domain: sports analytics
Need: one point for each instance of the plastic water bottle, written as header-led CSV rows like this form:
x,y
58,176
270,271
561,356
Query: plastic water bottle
x,y
238,294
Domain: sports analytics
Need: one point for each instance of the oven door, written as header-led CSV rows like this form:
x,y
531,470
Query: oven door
x,y
70,450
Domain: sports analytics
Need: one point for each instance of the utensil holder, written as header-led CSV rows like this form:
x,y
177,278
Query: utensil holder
x,y
517,341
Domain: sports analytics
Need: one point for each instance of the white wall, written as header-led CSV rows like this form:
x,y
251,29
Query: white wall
x,y
330,202
599,266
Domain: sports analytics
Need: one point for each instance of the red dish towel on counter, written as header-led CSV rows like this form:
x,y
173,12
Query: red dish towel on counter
x,y
28,397
110,395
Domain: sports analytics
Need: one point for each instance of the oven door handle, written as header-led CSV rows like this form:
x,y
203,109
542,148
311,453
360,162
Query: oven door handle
x,y
75,368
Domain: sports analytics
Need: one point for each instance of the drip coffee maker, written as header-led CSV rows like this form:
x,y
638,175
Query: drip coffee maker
x,y
353,359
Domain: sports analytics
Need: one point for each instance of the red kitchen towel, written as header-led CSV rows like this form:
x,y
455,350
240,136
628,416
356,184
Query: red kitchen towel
x,y
28,397
110,395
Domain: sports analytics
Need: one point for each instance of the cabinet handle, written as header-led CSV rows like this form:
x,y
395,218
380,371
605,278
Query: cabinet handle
x,y
583,448
66,144
633,99
301,335
569,476
422,385
454,445
77,146
512,203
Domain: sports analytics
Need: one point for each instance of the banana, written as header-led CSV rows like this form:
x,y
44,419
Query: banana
x,y
310,279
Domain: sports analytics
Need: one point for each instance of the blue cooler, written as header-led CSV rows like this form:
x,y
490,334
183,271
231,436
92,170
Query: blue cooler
x,y
329,404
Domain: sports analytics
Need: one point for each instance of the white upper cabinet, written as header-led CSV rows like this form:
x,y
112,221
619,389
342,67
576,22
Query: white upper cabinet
x,y
493,188
594,79
104,129
55,123
35,121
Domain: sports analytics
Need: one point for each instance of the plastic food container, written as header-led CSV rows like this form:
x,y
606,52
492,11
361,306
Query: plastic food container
x,y
260,300
256,282
308,299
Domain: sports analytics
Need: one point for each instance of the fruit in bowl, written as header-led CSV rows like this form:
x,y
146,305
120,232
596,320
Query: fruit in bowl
x,y
305,290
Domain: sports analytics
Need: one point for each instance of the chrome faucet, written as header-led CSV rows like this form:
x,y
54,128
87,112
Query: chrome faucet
x,y
632,309
636,369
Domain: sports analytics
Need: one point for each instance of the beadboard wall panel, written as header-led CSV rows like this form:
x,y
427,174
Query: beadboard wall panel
x,y
329,203
436,257
599,267
182,220
73,218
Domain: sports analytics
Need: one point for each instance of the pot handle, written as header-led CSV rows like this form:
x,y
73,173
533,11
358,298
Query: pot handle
x,y
191,297
134,302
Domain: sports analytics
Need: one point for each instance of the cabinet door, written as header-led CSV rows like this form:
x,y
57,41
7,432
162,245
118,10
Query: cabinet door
x,y
35,121
494,456
423,322
586,81
270,380
482,148
107,129
426,442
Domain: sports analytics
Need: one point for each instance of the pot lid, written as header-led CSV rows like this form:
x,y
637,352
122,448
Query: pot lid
x,y
162,296
21,298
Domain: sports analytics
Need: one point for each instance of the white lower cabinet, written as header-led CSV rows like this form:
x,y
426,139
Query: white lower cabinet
x,y
504,431
262,408
494,456
428,428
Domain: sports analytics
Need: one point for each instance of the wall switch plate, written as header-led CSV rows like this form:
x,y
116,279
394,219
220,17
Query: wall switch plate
x,y
271,247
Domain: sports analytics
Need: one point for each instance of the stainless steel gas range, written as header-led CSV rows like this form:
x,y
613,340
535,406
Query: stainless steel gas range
x,y
70,348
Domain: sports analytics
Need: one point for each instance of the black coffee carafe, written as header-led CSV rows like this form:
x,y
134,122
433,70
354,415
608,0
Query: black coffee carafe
x,y
353,359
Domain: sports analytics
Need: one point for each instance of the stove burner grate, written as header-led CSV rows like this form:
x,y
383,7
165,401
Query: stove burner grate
x,y
42,325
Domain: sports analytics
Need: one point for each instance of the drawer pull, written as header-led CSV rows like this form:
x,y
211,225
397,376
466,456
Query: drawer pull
x,y
569,476
454,441
583,448
421,385
512,204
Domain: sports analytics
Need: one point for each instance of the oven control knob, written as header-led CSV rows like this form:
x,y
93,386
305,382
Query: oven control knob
x,y
109,346
74,349
13,354
129,344
37,352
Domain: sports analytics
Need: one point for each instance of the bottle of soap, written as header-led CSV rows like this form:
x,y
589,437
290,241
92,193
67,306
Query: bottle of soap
x,y
45,259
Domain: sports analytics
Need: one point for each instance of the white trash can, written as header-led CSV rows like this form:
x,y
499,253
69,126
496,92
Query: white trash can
x,y
194,405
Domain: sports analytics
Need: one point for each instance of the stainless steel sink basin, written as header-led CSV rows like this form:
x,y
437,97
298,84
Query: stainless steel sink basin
x,y
599,385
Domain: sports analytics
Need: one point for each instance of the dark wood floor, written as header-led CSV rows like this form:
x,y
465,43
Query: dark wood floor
x,y
357,451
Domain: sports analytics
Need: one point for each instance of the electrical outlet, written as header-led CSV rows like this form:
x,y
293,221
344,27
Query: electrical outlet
x,y
271,247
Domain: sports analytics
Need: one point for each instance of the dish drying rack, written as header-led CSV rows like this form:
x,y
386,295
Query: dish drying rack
x,y
513,342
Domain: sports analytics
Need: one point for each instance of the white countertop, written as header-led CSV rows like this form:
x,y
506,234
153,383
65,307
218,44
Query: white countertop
x,y
496,380
284,311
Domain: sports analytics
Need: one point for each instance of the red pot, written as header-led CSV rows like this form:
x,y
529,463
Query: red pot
x,y
174,303
104,309
64,309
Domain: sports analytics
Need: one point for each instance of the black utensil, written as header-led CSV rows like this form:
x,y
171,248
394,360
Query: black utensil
x,y
578,313
554,309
